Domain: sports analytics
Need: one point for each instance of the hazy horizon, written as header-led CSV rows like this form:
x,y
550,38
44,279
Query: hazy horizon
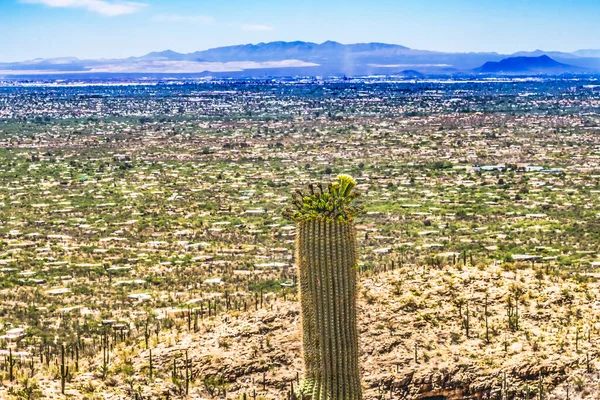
x,y
91,29
291,41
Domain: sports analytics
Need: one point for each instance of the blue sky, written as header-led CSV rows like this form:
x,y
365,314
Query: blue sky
x,y
114,28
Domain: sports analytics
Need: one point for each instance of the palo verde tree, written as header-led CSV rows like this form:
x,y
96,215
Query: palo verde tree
x,y
326,251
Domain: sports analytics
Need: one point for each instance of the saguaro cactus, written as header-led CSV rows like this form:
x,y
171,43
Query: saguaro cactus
x,y
327,259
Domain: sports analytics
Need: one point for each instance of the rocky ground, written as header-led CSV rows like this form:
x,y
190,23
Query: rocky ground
x,y
423,334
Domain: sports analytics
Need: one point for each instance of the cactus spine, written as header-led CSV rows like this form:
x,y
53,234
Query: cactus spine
x,y
327,259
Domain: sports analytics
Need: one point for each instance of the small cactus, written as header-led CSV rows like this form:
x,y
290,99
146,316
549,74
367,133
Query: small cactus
x,y
150,366
11,364
64,370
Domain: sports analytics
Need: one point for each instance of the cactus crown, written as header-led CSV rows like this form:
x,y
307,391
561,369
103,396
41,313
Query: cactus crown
x,y
335,202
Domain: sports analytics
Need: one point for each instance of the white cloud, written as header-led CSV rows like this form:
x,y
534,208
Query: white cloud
x,y
257,28
105,7
194,67
197,19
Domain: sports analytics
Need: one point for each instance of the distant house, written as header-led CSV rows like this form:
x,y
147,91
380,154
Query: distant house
x,y
58,291
121,157
525,257
140,296
489,168
13,334
536,215
533,168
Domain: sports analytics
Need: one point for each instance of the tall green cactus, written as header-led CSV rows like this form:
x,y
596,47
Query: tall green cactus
x,y
327,258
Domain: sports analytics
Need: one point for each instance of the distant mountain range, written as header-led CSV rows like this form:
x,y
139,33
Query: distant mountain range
x,y
312,59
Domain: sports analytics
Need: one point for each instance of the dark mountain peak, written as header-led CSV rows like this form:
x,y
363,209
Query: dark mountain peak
x,y
331,44
412,73
163,55
539,60
522,64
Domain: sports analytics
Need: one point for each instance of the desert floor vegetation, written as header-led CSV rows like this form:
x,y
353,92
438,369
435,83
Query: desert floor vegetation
x,y
145,252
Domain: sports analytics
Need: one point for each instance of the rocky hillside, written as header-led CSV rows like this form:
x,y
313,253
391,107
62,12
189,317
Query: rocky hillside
x,y
424,335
